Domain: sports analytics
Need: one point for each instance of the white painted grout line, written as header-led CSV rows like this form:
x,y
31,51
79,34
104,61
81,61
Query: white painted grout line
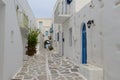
x,y
17,73
49,77
79,71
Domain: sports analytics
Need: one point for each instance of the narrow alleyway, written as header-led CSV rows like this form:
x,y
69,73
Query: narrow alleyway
x,y
48,66
34,68
63,68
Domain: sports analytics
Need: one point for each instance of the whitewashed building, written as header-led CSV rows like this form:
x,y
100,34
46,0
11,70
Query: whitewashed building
x,y
15,16
89,39
44,25
57,38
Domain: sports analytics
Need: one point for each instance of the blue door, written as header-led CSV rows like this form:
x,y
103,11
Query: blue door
x,y
84,45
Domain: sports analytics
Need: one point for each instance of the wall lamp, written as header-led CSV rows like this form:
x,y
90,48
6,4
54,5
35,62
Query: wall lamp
x,y
89,23
92,4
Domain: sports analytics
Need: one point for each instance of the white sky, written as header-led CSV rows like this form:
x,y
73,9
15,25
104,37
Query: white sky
x,y
42,8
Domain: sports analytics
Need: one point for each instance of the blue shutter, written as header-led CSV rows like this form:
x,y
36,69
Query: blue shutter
x,y
51,29
46,33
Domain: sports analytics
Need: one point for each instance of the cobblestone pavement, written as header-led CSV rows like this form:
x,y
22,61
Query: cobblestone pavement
x,y
48,67
33,69
63,68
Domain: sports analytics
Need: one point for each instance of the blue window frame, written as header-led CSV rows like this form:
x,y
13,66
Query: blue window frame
x,y
46,33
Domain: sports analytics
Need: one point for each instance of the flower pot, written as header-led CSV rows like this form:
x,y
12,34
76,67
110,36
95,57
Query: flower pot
x,y
30,51
50,48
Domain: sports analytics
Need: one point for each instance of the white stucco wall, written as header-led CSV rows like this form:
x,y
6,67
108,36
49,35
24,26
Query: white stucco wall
x,y
103,44
111,30
94,34
29,13
11,45
68,50
54,36
61,34
2,24
55,42
13,50
79,4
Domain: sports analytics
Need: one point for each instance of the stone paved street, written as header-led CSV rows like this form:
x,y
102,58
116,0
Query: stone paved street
x,y
33,69
59,68
62,68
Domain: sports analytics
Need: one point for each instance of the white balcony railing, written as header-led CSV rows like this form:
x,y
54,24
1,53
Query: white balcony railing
x,y
61,12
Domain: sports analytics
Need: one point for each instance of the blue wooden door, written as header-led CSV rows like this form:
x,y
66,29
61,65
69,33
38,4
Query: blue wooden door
x,y
84,45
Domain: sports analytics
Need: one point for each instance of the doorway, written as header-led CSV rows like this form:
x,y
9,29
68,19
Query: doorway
x,y
84,44
62,44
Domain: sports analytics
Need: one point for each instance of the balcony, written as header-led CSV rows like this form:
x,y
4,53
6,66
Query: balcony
x,y
61,12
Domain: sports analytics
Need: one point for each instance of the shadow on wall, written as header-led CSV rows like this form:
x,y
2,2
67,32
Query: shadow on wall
x,y
2,17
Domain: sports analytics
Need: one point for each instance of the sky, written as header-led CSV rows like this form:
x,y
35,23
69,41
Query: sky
x,y
42,8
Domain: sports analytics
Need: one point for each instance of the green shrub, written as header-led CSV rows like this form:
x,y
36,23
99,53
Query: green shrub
x,y
32,38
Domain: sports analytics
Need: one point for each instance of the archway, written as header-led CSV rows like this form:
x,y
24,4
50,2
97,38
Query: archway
x,y
84,44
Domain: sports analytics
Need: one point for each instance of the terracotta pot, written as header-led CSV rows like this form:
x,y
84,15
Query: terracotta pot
x,y
30,51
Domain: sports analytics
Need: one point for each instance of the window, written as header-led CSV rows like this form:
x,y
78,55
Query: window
x,y
57,36
46,33
40,24
70,37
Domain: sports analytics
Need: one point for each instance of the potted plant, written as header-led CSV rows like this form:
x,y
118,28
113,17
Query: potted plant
x,y
50,47
32,38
